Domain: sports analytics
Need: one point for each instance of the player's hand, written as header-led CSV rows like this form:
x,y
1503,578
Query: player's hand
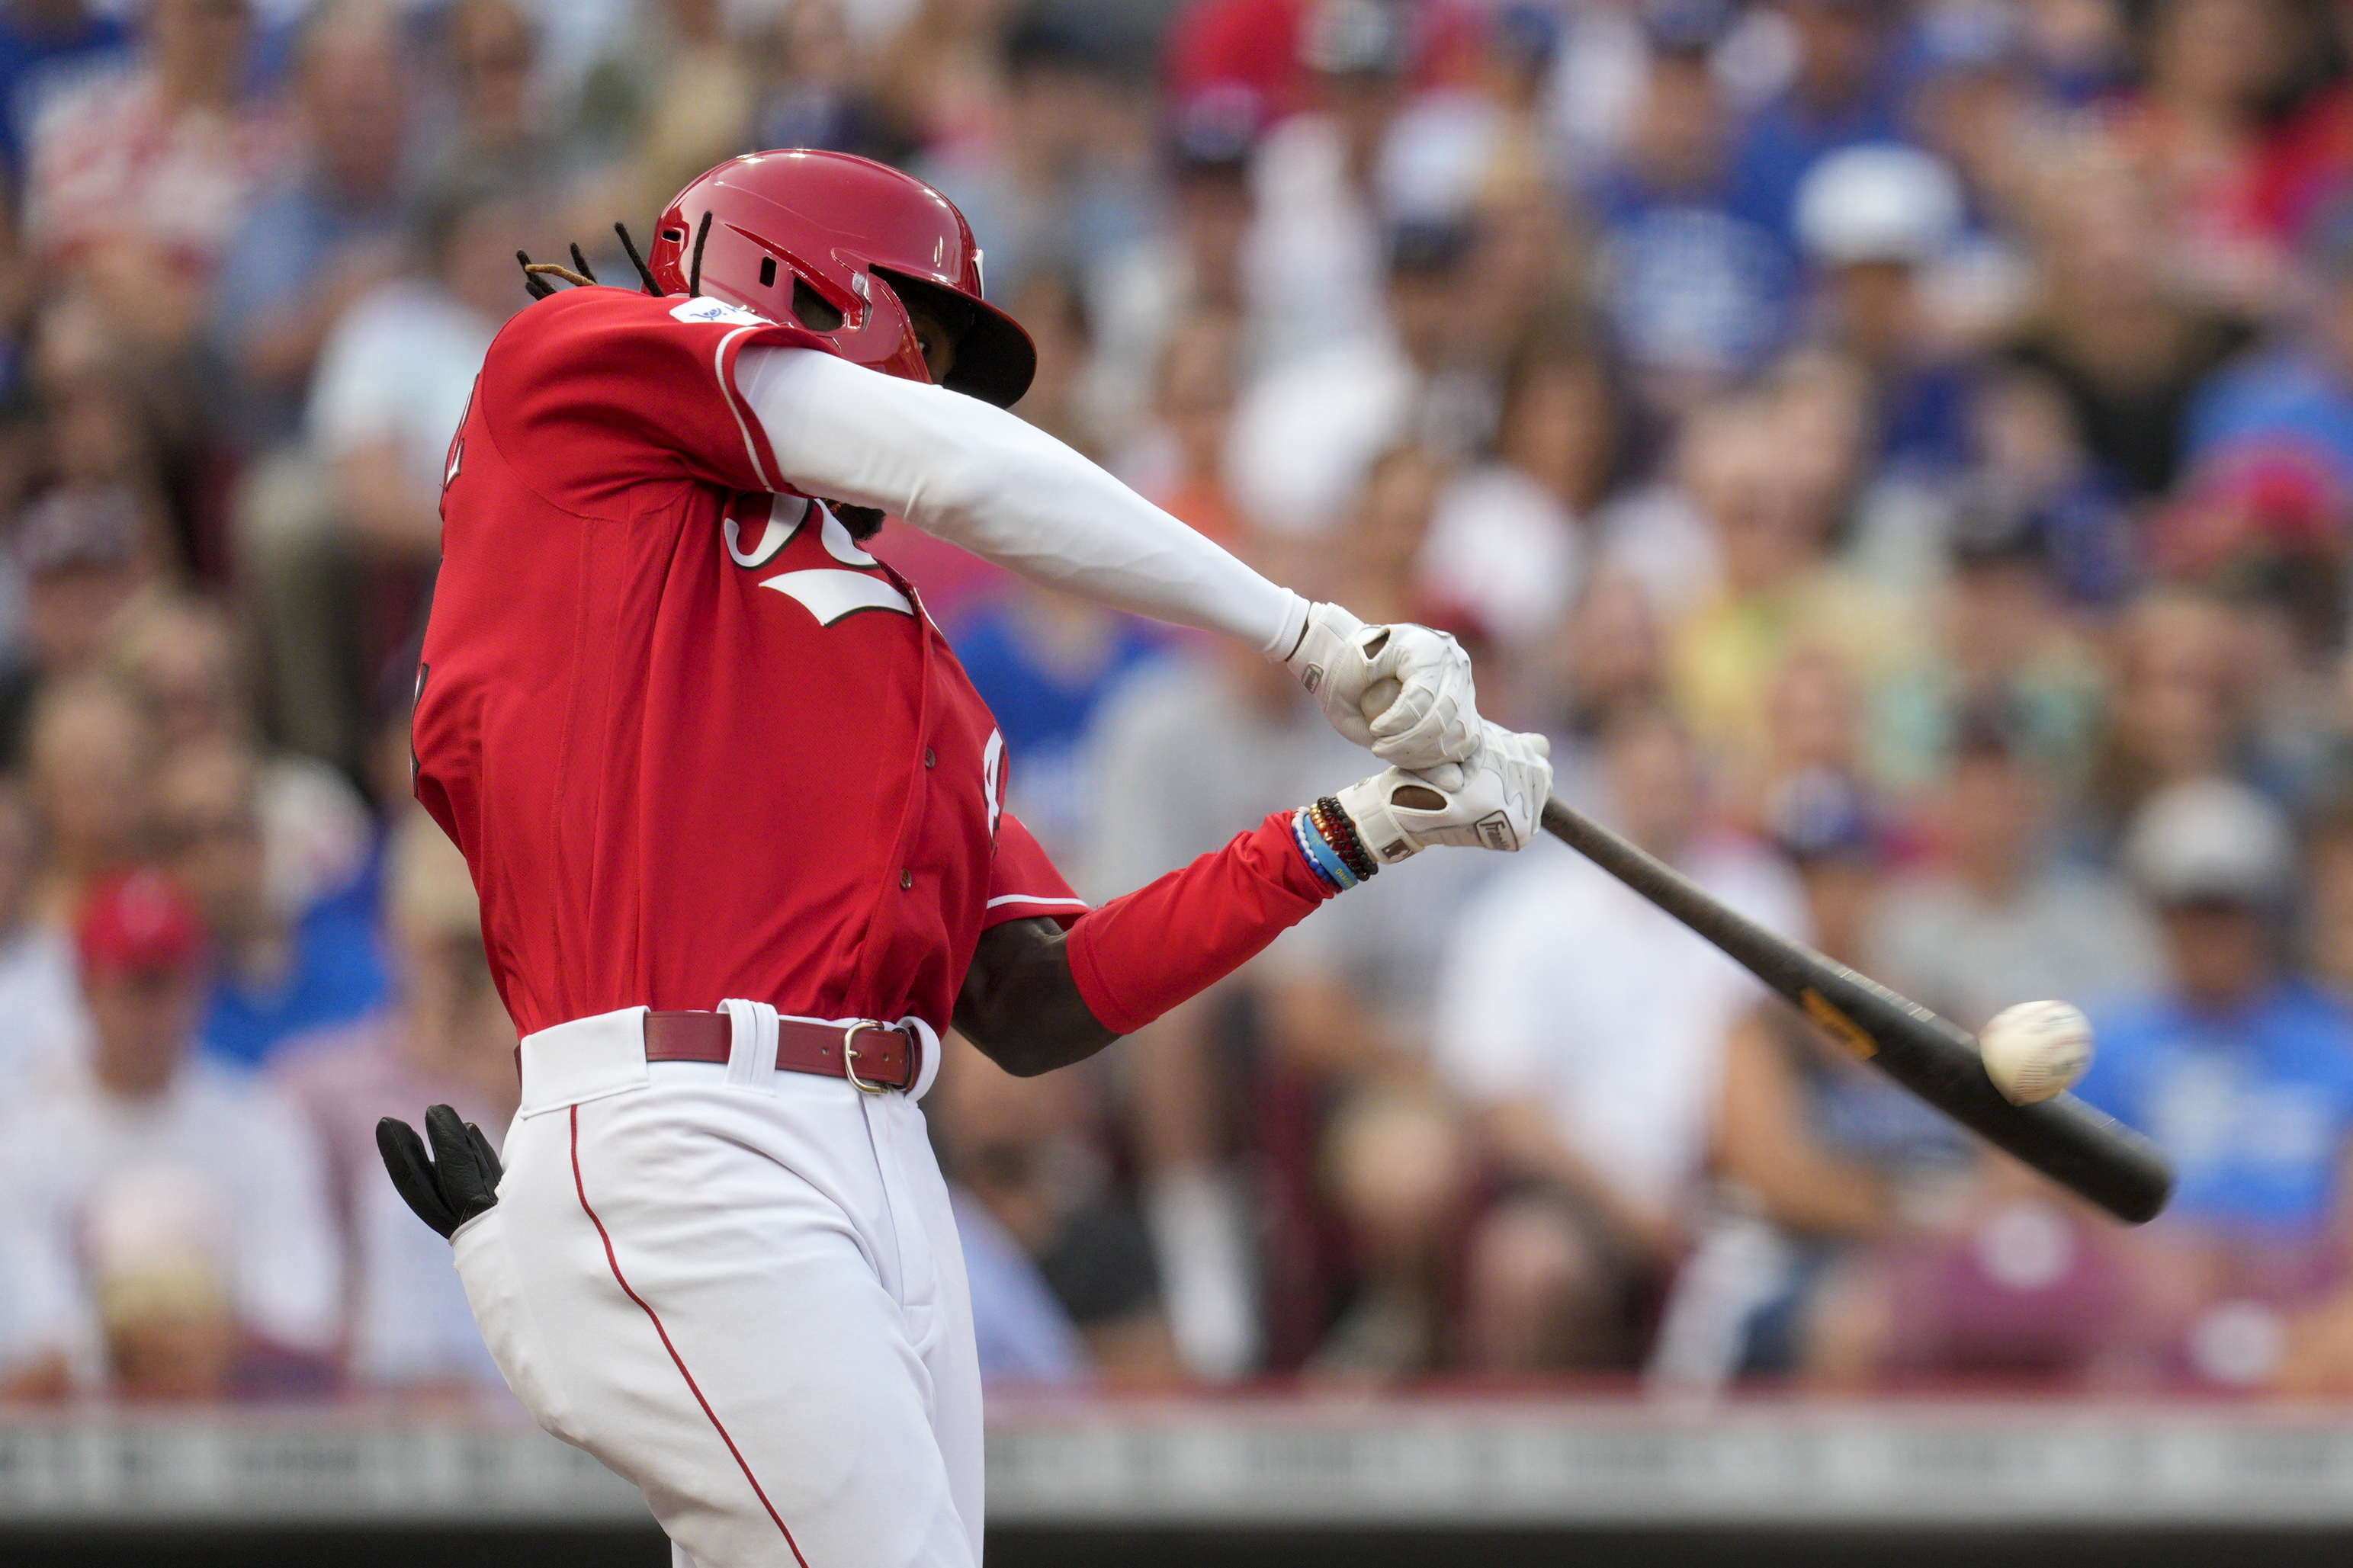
x,y
1491,801
460,1180
1433,716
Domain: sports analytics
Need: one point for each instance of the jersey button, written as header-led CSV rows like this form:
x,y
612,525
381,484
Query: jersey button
x,y
931,758
906,879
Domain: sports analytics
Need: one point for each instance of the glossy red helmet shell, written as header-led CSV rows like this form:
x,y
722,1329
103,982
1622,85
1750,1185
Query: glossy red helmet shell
x,y
865,240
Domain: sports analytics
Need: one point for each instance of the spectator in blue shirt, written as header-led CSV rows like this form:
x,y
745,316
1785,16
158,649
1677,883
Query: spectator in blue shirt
x,y
2242,1072
1872,221
276,973
1846,91
1699,294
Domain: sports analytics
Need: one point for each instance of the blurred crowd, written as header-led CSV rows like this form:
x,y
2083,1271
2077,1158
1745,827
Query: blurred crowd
x,y
1900,452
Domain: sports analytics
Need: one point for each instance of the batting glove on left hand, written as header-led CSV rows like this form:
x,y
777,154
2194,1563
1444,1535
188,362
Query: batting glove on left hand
x,y
461,1179
1491,801
1433,716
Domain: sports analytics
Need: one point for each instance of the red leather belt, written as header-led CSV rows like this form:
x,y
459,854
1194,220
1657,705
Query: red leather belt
x,y
874,1056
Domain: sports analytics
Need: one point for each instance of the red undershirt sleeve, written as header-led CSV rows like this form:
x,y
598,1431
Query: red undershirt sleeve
x,y
1142,954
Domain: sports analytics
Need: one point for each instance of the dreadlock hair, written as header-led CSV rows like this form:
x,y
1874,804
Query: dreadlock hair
x,y
580,275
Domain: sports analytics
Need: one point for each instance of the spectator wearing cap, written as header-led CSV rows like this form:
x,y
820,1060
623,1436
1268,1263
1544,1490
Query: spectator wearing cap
x,y
162,1223
2000,917
1210,150
279,969
1875,221
2242,1072
85,554
1698,292
444,1039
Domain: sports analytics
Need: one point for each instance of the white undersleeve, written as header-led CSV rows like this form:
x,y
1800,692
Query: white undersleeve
x,y
970,473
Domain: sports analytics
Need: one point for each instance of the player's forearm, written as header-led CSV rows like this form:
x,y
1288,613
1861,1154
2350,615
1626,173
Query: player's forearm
x,y
1037,998
979,478
1144,952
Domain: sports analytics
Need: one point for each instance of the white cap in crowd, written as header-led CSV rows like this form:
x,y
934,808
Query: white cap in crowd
x,y
2211,839
1878,202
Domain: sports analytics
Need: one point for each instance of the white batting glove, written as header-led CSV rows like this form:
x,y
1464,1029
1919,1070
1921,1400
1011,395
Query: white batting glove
x,y
1491,801
1432,718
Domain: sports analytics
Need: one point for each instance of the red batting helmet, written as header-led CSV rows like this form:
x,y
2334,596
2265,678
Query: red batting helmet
x,y
843,244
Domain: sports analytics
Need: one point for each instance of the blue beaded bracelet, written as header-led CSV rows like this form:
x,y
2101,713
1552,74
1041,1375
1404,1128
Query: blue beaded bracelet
x,y
1322,858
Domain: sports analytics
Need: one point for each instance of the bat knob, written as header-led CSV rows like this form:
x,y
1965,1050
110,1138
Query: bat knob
x,y
1378,697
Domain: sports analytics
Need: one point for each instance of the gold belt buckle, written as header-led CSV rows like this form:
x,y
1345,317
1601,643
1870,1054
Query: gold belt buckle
x,y
850,1054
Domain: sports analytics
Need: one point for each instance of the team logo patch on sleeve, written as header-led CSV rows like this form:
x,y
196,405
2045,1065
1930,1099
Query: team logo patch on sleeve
x,y
706,309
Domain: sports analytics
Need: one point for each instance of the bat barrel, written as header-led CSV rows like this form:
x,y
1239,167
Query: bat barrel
x,y
2081,1148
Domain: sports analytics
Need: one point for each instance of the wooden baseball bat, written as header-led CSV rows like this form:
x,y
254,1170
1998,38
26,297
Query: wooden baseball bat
x,y
2083,1150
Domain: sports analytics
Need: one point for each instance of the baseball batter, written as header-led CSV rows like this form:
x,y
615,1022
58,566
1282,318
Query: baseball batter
x,y
736,818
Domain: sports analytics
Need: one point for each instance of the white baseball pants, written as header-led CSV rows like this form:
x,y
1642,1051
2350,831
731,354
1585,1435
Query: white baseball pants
x,y
741,1290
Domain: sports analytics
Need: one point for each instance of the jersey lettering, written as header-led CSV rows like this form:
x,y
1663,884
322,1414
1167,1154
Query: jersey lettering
x,y
785,515
992,778
832,595
827,594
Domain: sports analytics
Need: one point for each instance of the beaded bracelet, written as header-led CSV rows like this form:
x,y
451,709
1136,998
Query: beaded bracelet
x,y
1340,829
1322,858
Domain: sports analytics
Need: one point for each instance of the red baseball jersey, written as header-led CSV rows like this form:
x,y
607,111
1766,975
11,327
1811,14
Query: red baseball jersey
x,y
694,741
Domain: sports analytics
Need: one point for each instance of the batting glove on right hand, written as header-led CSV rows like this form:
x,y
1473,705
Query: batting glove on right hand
x,y
1492,801
461,1179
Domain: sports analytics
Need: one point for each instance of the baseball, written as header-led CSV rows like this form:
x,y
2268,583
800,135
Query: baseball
x,y
2035,1049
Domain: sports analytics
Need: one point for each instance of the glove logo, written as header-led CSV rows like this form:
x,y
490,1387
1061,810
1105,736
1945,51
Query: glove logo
x,y
1496,832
